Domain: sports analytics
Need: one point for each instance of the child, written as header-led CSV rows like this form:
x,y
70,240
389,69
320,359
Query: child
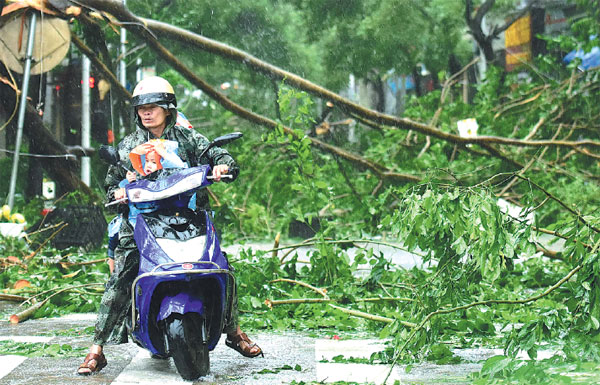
x,y
146,158
154,155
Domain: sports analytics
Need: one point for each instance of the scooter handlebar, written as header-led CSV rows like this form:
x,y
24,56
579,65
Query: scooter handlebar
x,y
122,200
228,176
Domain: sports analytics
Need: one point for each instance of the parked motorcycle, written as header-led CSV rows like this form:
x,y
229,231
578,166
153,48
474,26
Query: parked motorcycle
x,y
179,298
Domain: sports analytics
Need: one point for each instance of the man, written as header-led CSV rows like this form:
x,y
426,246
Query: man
x,y
155,105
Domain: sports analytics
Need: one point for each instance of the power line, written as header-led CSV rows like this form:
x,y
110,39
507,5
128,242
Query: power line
x,y
66,156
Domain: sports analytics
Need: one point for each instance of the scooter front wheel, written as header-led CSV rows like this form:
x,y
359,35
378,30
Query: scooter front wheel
x,y
186,338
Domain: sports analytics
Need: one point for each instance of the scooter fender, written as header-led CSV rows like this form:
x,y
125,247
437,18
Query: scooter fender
x,y
181,303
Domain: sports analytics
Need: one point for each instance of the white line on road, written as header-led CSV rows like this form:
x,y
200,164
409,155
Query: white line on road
x,y
332,372
363,348
27,339
8,363
145,370
361,373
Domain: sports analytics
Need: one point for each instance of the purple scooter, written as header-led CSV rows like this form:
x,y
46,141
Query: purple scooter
x,y
179,298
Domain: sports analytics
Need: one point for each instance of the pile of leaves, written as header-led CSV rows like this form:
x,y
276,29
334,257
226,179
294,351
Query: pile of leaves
x,y
48,282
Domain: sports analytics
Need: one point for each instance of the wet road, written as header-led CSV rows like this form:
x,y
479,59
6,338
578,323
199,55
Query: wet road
x,y
288,357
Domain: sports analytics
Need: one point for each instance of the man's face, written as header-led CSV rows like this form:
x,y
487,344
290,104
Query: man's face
x,y
153,116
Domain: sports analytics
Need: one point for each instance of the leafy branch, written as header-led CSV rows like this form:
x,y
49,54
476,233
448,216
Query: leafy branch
x,y
30,311
429,316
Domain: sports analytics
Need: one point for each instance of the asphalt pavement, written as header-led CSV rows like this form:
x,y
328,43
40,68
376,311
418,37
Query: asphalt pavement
x,y
289,358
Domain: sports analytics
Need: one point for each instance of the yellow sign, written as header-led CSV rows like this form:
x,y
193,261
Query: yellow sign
x,y
518,42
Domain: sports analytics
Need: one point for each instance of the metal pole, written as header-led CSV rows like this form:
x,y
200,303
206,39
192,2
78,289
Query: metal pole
x,y
85,118
122,70
22,107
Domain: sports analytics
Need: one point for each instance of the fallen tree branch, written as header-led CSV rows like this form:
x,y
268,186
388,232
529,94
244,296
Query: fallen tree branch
x,y
361,314
85,263
30,311
563,204
12,298
295,301
27,313
482,303
34,297
34,253
323,292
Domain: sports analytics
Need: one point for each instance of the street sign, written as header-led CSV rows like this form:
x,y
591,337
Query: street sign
x,y
51,44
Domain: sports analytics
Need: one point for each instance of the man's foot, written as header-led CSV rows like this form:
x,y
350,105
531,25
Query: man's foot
x,y
242,344
93,363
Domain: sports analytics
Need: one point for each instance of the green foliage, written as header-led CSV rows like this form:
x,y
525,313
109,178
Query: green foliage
x,y
40,350
369,38
504,370
460,229
297,368
49,271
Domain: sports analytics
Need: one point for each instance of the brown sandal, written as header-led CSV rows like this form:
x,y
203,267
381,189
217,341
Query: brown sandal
x,y
234,343
94,362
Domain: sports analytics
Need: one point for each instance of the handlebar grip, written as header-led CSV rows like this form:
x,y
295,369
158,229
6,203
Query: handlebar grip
x,y
227,176
116,202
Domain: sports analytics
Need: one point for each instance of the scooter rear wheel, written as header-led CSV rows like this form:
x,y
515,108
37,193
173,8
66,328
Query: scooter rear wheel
x,y
187,346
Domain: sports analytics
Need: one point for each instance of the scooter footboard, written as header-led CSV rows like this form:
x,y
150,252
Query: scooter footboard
x,y
159,294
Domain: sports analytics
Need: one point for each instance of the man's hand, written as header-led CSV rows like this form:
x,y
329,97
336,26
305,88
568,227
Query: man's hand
x,y
120,194
219,170
160,149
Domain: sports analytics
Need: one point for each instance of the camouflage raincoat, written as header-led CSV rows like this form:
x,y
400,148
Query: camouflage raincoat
x,y
116,300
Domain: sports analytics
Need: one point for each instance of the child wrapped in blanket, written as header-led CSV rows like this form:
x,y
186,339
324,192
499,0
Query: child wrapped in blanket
x,y
146,159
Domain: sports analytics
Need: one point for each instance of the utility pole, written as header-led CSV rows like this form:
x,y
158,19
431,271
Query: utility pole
x,y
85,117
122,70
22,107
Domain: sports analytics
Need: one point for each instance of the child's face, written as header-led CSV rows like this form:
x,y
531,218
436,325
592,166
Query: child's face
x,y
151,162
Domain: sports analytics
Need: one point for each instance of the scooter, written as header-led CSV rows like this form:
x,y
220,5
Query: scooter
x,y
179,298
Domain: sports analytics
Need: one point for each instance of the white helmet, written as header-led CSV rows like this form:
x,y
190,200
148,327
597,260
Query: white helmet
x,y
154,90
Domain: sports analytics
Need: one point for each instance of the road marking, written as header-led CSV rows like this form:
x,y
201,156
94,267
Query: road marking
x,y
327,349
8,363
349,372
145,370
27,339
360,373
75,317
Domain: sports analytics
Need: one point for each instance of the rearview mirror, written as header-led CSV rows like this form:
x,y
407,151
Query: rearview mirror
x,y
227,138
221,140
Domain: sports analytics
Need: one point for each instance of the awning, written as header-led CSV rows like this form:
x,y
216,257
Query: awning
x,y
588,59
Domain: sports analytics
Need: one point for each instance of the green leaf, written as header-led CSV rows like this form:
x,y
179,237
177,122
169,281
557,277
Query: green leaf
x,y
495,364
